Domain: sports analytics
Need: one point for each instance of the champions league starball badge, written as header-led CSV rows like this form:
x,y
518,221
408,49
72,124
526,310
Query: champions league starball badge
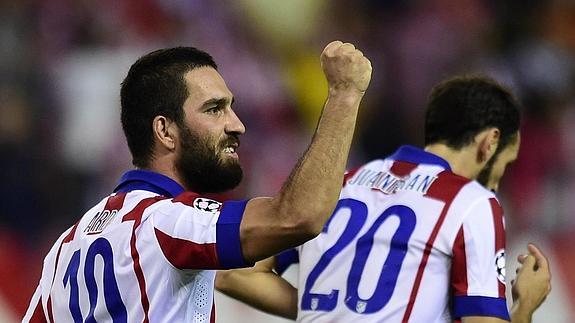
x,y
207,205
500,265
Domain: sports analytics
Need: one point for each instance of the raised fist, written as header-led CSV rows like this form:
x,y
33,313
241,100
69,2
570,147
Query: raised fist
x,y
345,67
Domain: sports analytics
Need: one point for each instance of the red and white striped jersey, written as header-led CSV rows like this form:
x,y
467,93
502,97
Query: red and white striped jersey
x,y
143,254
409,241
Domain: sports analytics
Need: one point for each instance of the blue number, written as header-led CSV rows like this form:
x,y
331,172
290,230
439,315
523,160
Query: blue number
x,y
116,307
72,276
389,273
358,215
112,297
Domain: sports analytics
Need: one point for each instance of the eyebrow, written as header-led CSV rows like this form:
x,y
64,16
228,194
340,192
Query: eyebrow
x,y
219,101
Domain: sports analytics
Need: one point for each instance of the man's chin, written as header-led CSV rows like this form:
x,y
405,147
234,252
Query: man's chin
x,y
230,162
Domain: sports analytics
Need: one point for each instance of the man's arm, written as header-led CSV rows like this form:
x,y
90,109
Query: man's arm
x,y
298,212
532,285
261,288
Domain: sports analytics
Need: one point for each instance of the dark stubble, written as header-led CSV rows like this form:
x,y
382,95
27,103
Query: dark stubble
x,y
485,174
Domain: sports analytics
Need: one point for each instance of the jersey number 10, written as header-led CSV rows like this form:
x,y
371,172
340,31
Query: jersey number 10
x,y
112,297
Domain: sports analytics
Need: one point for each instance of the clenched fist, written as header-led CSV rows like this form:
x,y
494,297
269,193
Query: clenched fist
x,y
345,67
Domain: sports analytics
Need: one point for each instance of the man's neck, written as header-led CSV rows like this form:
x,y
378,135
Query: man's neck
x,y
463,161
166,168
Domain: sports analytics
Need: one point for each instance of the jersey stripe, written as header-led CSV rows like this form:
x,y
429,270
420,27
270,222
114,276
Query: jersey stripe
x,y
49,306
115,202
38,314
459,265
402,169
69,237
186,198
445,188
179,251
136,216
499,227
348,175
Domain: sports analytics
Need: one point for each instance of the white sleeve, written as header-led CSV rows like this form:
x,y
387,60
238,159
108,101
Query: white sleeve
x,y
478,264
196,232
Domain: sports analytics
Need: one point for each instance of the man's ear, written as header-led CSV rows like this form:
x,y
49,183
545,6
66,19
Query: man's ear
x,y
488,141
165,132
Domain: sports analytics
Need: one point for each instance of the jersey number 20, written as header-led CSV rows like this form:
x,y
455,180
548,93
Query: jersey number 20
x,y
389,273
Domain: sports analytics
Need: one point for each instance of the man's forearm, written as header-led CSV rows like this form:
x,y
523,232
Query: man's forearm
x,y
307,198
519,314
261,289
320,171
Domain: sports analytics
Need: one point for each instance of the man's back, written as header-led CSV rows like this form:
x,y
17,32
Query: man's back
x,y
406,235
139,256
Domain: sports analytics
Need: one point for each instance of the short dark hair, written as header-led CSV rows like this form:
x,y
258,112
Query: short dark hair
x,y
461,107
155,86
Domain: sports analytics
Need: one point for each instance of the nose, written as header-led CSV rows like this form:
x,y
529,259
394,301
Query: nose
x,y
234,124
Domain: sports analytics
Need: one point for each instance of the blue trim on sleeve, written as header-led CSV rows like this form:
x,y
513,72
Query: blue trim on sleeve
x,y
480,306
228,243
140,179
415,155
286,259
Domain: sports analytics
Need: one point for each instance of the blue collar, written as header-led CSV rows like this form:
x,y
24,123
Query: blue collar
x,y
416,155
139,179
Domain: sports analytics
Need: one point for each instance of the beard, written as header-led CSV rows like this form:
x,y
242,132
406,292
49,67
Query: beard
x,y
201,167
485,174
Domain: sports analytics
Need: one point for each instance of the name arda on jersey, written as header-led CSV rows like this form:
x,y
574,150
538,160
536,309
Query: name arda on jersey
x,y
389,183
100,221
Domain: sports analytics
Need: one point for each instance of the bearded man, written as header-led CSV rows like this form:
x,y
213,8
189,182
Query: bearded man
x,y
147,252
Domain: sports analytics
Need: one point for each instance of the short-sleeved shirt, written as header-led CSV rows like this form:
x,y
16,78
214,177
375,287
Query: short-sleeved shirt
x,y
409,241
146,253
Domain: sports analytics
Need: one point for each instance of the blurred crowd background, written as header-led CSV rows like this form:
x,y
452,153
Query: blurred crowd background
x,y
62,61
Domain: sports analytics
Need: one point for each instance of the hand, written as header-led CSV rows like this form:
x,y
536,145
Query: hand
x,y
533,281
345,67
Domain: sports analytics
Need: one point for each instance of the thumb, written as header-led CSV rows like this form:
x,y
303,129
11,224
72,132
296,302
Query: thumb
x,y
541,260
529,262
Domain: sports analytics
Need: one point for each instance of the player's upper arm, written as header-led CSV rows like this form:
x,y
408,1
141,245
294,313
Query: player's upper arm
x,y
195,232
478,263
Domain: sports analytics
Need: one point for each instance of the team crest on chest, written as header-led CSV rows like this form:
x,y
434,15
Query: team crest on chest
x,y
207,205
360,306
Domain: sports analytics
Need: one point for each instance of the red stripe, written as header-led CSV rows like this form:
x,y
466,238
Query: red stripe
x,y
401,168
115,202
445,188
185,254
186,198
349,174
459,265
213,314
38,315
69,237
136,216
49,306
497,212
